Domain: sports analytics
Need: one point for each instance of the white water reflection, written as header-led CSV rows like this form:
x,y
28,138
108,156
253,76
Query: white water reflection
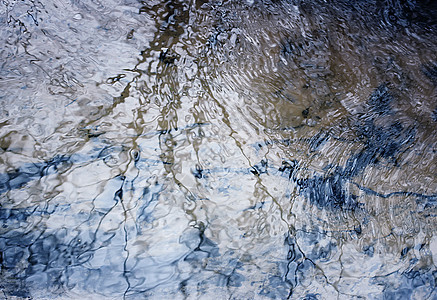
x,y
218,149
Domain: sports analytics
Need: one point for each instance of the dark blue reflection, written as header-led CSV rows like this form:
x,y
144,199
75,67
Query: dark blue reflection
x,y
275,288
430,71
148,202
12,215
328,192
383,136
35,257
202,246
380,101
214,268
298,265
29,172
383,140
414,284
33,171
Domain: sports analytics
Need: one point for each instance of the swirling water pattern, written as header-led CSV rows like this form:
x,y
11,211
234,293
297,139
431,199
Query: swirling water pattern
x,y
218,149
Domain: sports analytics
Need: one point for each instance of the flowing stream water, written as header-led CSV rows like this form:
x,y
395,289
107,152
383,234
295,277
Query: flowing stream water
x,y
218,149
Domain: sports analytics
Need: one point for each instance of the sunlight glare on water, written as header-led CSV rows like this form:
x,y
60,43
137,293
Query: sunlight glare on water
x,y
218,149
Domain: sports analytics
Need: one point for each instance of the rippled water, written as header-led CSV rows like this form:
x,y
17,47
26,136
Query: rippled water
x,y
218,149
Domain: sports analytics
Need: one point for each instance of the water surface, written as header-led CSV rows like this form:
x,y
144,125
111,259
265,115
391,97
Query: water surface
x,y
218,149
